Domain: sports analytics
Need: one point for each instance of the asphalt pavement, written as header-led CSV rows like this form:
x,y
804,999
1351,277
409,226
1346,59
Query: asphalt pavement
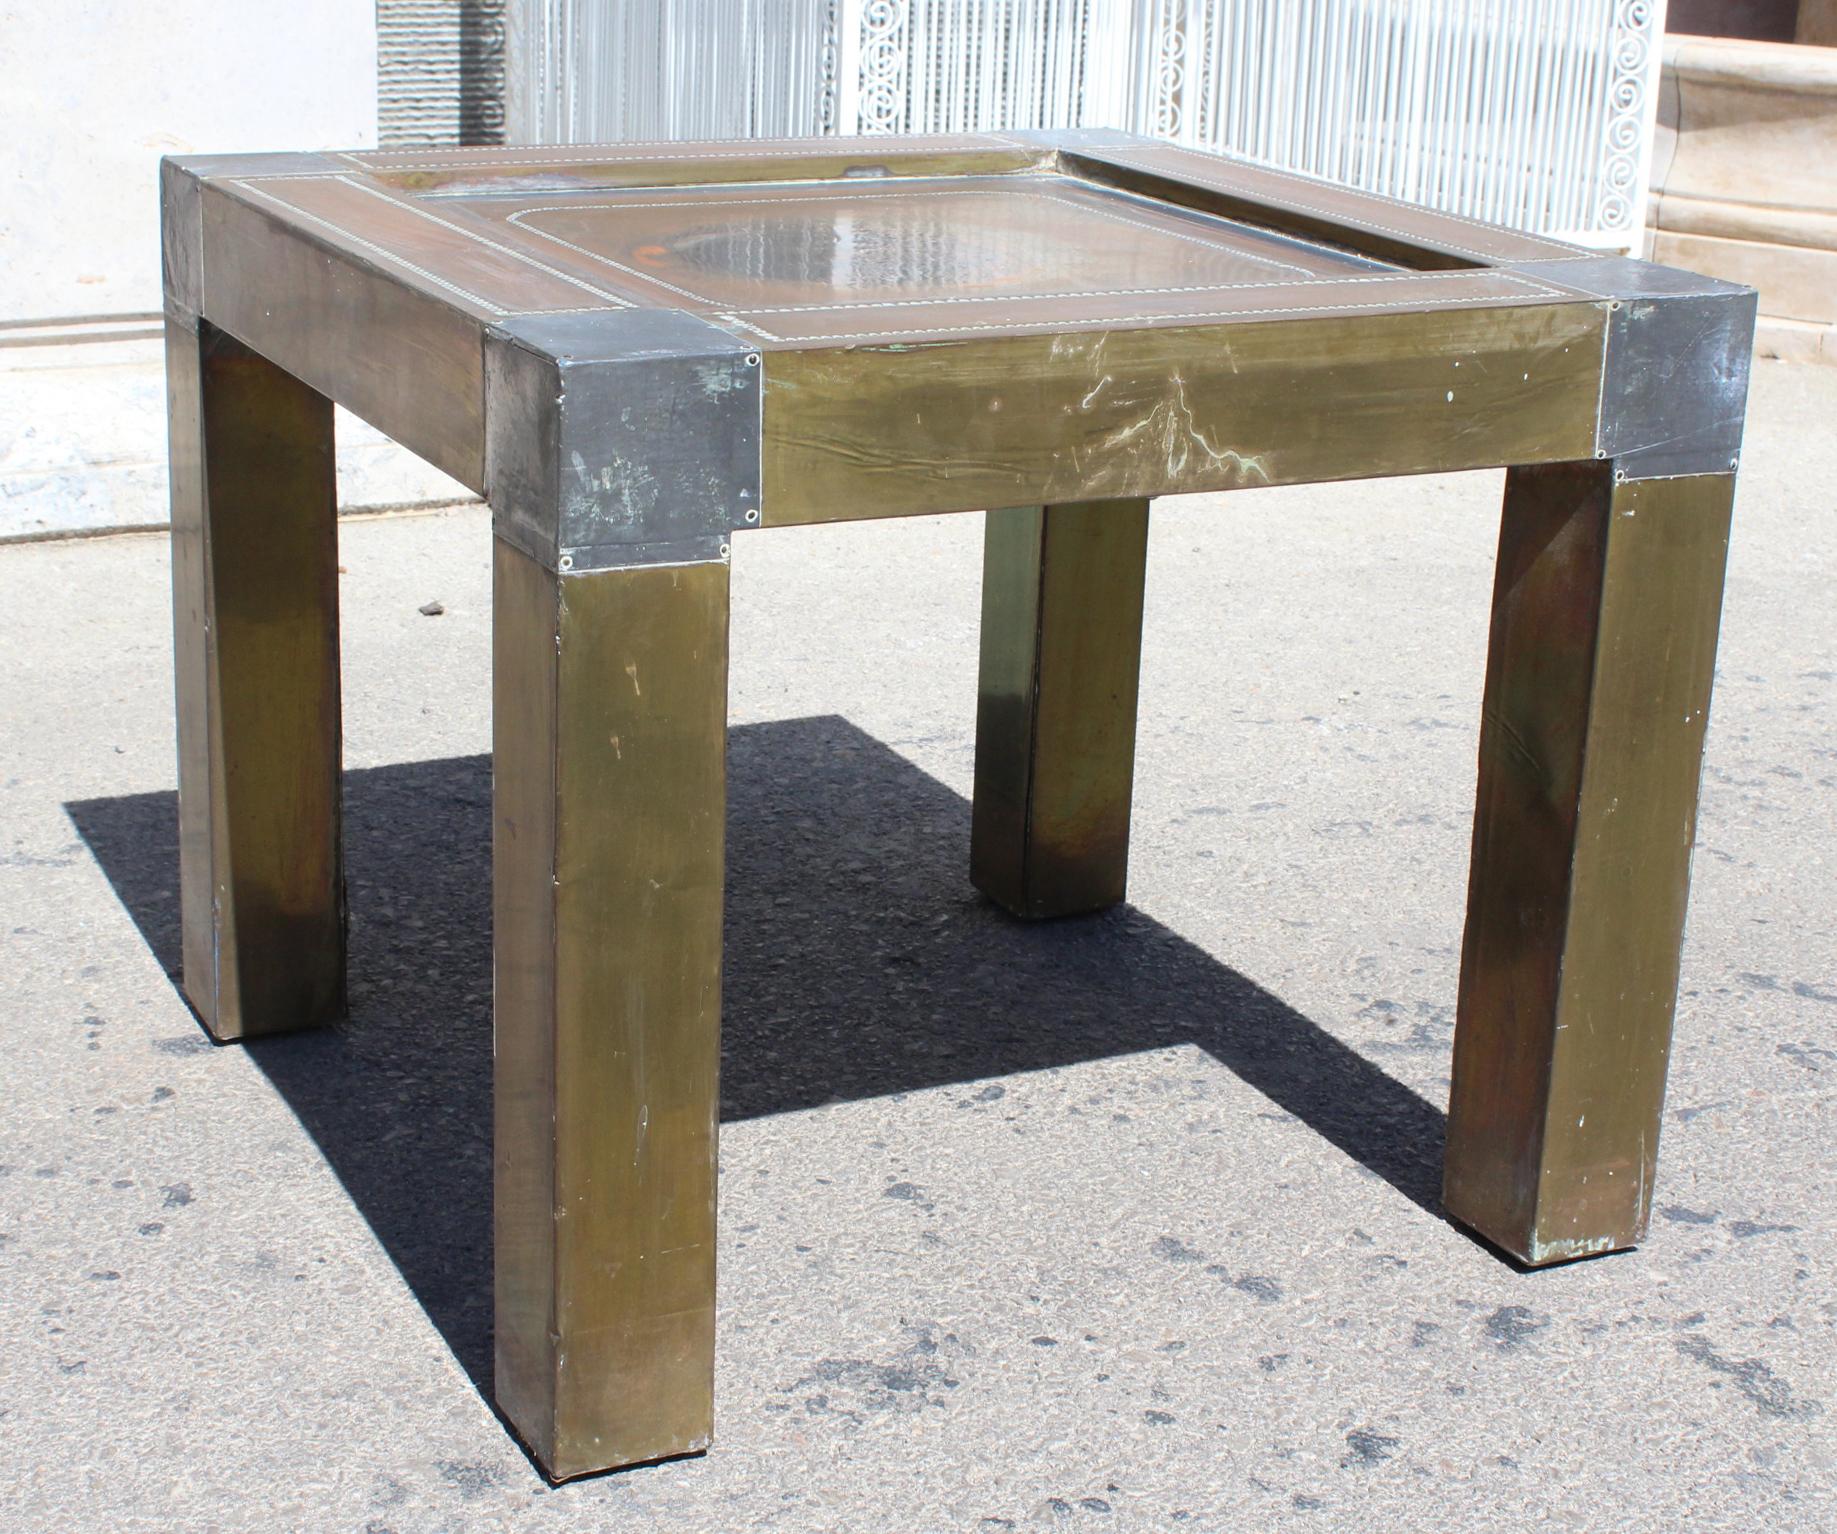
x,y
1129,1222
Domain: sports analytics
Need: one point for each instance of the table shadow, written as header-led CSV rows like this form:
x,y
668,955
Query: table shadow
x,y
859,963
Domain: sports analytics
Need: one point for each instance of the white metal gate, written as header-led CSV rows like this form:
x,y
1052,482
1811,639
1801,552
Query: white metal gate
x,y
1536,113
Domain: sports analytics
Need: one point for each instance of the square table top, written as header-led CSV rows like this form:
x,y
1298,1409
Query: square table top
x,y
800,243
952,322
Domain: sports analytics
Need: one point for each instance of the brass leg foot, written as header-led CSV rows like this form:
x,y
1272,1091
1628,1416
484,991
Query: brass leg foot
x,y
1605,610
609,730
255,649
1055,719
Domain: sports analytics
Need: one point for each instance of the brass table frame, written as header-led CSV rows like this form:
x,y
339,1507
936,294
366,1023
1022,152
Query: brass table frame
x,y
623,426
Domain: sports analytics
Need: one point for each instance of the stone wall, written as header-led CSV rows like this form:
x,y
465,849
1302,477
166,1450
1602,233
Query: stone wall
x,y
1745,180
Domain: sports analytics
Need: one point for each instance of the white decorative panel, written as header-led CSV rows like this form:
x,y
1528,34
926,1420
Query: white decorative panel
x,y
585,70
440,71
1536,113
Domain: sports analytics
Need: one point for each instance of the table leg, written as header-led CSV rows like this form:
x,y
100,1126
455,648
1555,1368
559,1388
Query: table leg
x,y
609,784
1606,603
1055,719
255,653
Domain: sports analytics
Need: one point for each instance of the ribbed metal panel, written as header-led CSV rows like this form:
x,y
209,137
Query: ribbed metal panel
x,y
1536,113
669,69
440,71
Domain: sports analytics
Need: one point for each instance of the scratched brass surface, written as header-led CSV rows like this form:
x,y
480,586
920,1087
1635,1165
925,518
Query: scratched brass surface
x,y
1605,615
255,648
894,430
609,781
388,266
1062,594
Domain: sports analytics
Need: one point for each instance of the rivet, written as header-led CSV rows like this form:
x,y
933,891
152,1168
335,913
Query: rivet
x,y
567,561
752,359
724,551
752,513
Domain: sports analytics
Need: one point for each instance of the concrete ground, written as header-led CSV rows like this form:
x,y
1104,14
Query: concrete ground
x,y
1121,1223
83,441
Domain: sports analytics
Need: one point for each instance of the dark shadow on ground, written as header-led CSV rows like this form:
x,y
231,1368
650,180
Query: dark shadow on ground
x,y
860,963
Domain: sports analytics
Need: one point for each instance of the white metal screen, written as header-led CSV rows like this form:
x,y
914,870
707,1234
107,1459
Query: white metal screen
x,y
439,71
1536,113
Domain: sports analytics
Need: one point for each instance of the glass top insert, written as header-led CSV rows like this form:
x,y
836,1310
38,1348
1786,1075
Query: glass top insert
x,y
906,241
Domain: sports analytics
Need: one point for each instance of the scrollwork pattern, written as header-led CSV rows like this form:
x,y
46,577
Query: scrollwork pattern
x,y
1635,22
883,66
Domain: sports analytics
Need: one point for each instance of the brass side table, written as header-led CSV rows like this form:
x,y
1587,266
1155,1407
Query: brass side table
x,y
637,352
